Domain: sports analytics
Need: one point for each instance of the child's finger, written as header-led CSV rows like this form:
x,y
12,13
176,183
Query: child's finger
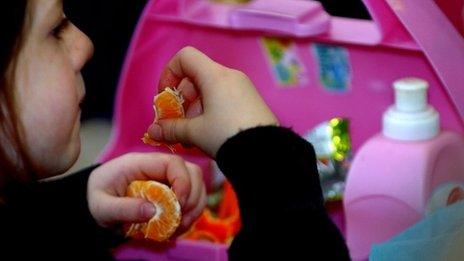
x,y
168,79
159,167
191,63
179,179
122,209
172,131
193,214
197,185
195,109
187,90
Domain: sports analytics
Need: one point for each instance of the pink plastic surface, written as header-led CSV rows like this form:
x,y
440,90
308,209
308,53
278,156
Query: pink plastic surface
x,y
444,48
400,191
390,187
454,11
181,250
301,18
374,227
379,52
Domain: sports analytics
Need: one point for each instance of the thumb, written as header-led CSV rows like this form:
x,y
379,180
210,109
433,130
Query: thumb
x,y
124,209
171,131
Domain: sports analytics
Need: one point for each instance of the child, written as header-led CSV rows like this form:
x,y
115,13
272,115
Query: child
x,y
273,170
41,88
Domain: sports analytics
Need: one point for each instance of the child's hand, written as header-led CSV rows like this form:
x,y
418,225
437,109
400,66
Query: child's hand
x,y
228,103
107,188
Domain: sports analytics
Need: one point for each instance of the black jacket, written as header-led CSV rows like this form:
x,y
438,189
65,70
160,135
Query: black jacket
x,y
274,174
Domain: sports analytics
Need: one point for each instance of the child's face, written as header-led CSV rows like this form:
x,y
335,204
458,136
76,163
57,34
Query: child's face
x,y
49,86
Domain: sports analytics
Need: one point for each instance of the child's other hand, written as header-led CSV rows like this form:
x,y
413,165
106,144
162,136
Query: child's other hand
x,y
108,183
220,102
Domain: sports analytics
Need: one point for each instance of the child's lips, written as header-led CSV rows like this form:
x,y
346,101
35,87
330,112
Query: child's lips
x,y
81,102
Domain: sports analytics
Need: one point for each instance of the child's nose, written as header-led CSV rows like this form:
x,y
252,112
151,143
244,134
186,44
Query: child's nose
x,y
81,48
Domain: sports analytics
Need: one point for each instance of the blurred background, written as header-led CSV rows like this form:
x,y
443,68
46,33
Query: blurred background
x,y
110,24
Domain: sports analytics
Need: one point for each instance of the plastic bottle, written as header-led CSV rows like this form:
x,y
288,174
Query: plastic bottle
x,y
403,173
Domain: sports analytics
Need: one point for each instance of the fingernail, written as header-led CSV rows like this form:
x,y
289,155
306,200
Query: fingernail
x,y
155,132
148,210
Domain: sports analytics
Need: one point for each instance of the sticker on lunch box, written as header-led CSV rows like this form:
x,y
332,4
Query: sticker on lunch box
x,y
286,66
334,67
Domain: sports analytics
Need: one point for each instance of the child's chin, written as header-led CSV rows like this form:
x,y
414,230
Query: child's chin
x,y
72,157
66,161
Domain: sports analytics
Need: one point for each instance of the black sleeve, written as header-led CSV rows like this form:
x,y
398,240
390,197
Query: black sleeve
x,y
274,174
65,199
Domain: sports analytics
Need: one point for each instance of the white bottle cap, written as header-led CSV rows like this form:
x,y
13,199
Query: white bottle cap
x,y
411,118
410,94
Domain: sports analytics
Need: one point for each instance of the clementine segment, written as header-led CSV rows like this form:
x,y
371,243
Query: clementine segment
x,y
167,105
218,226
168,212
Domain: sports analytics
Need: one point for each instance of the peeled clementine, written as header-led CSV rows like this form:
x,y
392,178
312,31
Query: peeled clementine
x,y
168,212
167,105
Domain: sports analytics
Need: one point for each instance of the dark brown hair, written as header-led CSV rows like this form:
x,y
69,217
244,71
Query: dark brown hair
x,y
14,161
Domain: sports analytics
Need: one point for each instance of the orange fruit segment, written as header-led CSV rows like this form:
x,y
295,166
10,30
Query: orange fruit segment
x,y
168,104
218,226
168,212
